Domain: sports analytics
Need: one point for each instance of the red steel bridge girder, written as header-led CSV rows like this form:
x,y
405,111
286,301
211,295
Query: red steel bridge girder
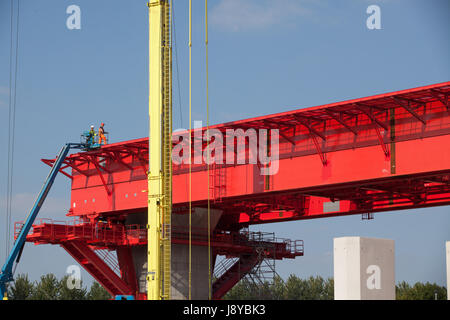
x,y
380,153
326,150
122,238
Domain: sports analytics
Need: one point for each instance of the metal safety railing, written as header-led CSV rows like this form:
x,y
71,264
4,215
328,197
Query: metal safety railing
x,y
223,266
49,230
110,258
108,234
244,238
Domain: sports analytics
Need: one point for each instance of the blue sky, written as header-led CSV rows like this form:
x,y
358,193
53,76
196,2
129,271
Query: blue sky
x,y
265,57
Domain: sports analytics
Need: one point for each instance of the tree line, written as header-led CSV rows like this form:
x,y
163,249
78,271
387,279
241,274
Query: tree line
x,y
49,287
318,288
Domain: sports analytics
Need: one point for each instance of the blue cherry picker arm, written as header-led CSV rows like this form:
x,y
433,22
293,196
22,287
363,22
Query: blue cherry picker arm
x,y
6,274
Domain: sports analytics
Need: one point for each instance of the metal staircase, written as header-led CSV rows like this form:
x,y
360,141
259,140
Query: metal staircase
x,y
97,268
256,265
230,277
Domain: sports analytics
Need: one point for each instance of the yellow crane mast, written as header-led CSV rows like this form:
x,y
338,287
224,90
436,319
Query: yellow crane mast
x,y
160,148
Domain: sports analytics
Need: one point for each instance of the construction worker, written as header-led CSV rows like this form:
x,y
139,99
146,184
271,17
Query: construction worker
x,y
91,136
100,225
101,134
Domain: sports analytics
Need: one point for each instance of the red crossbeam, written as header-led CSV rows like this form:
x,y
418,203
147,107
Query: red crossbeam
x,y
120,236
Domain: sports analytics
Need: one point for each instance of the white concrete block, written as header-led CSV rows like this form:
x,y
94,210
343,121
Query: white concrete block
x,y
364,269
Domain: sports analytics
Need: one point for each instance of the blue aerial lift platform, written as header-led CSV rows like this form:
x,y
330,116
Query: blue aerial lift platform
x,y
6,274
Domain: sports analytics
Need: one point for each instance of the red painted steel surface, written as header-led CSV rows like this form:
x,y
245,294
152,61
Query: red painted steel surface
x,y
378,153
118,236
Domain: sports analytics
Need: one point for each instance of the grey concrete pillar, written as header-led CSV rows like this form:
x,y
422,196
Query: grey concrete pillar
x,y
199,256
364,269
180,255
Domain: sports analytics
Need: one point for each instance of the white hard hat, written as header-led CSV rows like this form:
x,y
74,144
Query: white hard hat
x,y
92,126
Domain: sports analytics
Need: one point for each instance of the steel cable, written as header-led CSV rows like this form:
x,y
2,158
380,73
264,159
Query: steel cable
x,y
11,122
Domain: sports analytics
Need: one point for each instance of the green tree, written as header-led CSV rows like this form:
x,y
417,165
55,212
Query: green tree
x,y
47,289
243,290
402,291
67,292
314,289
277,288
420,291
21,289
264,291
97,292
295,288
328,290
50,288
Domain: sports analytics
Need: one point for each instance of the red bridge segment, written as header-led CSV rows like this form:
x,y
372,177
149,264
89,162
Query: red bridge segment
x,y
380,153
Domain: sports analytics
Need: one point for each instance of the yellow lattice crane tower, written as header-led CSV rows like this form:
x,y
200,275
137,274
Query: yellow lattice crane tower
x,y
160,148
